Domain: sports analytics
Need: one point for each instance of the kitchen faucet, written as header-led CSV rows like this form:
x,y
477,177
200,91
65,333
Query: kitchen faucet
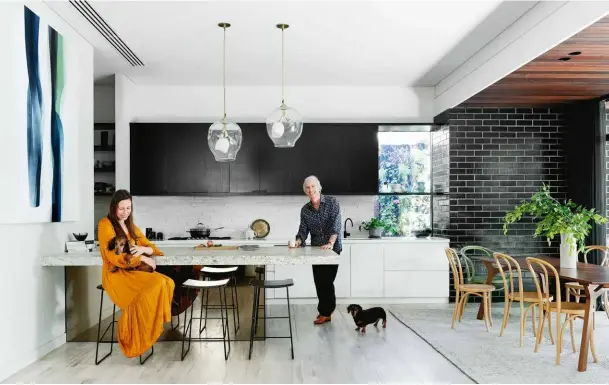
x,y
345,233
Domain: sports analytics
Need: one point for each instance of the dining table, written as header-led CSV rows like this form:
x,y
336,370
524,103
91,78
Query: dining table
x,y
591,276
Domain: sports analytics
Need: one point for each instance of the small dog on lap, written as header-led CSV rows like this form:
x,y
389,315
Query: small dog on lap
x,y
120,245
362,317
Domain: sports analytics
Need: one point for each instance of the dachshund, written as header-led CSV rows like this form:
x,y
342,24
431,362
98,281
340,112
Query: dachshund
x,y
120,245
362,318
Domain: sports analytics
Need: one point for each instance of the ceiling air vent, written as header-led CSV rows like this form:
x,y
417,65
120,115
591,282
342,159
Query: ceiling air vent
x,y
98,22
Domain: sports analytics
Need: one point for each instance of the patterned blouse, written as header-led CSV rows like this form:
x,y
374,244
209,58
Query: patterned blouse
x,y
321,223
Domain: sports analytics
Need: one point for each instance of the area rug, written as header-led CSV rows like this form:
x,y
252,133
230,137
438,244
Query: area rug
x,y
487,358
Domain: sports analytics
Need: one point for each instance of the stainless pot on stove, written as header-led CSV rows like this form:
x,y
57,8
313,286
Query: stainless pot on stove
x,y
201,231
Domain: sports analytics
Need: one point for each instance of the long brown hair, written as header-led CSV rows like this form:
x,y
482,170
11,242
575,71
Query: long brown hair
x,y
117,197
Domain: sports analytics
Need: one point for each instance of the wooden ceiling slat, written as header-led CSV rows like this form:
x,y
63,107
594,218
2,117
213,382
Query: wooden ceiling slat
x,y
546,80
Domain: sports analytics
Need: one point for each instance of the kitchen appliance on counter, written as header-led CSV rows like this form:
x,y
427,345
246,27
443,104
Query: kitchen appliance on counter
x,y
194,238
200,231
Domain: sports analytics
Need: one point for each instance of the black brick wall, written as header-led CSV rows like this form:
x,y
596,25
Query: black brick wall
x,y
498,157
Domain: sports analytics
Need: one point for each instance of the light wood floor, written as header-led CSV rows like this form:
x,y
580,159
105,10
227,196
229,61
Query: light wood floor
x,y
331,353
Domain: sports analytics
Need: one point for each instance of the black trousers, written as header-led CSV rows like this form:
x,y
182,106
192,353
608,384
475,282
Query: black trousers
x,y
324,276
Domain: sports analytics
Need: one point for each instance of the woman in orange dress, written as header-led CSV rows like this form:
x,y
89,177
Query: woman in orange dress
x,y
144,298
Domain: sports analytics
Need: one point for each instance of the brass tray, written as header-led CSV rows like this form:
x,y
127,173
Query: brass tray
x,y
261,228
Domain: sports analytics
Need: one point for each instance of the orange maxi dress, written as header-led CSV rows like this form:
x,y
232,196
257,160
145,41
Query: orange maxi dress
x,y
144,298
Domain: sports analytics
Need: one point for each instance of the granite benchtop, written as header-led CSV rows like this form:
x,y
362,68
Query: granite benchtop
x,y
263,255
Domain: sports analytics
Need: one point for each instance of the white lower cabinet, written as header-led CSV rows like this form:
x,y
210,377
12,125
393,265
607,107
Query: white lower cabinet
x,y
367,270
409,271
416,284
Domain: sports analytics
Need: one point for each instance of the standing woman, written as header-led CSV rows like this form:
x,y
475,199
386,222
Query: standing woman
x,y
144,298
321,217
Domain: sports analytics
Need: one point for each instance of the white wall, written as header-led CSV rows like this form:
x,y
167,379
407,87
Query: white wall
x,y
253,104
174,215
32,296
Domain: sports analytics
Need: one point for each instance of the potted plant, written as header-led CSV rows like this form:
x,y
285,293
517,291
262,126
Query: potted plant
x,y
569,220
375,227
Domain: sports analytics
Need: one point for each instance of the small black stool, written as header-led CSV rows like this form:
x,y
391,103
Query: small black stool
x,y
112,341
209,271
204,286
258,285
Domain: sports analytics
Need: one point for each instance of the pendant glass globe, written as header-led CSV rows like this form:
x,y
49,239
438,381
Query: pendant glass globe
x,y
284,126
224,140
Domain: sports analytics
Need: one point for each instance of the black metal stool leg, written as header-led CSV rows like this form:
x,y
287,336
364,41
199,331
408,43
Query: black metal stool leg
x,y
257,306
177,325
187,327
146,359
206,304
99,338
201,326
254,316
287,290
225,332
235,301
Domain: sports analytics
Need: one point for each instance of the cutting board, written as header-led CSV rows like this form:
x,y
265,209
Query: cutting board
x,y
201,247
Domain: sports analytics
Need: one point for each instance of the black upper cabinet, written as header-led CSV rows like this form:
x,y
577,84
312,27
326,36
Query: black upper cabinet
x,y
173,158
148,159
245,170
191,166
188,167
343,156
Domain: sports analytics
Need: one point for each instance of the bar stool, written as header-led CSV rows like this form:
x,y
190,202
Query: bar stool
x,y
259,273
204,286
208,271
99,339
258,285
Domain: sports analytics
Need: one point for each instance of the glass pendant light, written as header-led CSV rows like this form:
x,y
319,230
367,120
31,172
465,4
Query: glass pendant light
x,y
284,124
224,137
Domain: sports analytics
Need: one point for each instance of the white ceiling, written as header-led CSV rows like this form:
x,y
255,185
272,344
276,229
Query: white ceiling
x,y
341,43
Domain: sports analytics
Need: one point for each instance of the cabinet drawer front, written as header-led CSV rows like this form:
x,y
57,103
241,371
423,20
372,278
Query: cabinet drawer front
x,y
415,256
416,284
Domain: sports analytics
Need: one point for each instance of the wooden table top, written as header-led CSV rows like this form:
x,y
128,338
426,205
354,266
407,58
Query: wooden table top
x,y
585,273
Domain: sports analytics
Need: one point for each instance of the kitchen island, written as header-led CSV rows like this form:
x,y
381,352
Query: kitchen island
x,y
388,270
188,255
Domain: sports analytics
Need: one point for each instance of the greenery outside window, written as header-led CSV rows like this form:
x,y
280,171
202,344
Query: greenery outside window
x,y
404,199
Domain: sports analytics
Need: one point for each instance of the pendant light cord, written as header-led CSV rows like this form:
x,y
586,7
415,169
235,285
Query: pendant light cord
x,y
224,69
282,54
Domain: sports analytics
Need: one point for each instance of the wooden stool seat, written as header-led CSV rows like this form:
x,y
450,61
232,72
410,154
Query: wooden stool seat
x,y
476,287
571,308
574,285
527,296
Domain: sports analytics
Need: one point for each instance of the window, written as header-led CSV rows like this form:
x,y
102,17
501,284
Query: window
x,y
404,199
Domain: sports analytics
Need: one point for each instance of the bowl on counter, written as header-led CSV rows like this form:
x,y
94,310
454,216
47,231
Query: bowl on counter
x,y
80,236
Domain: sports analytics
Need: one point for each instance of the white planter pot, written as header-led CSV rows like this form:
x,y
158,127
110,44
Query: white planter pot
x,y
568,252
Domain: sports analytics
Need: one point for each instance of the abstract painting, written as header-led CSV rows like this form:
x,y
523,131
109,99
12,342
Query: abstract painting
x,y
37,177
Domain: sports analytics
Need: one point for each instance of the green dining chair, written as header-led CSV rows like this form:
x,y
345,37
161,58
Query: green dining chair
x,y
475,270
